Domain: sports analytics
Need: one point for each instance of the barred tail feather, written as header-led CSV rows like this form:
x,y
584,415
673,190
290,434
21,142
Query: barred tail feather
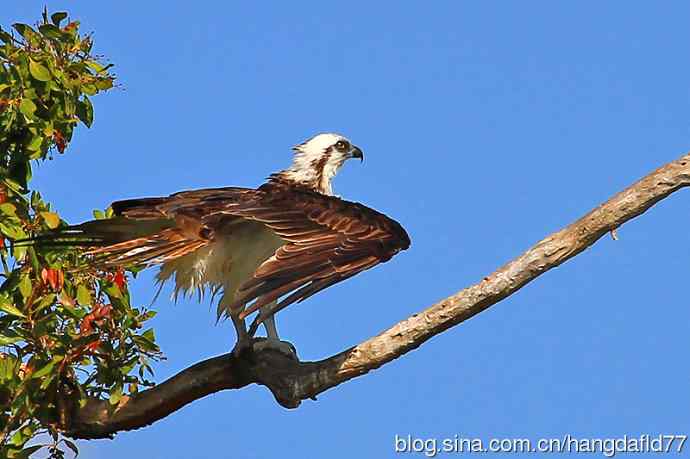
x,y
121,241
99,232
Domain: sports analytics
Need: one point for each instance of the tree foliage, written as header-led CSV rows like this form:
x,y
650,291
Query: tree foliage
x,y
67,331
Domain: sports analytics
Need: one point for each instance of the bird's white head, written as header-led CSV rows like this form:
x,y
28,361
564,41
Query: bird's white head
x,y
318,159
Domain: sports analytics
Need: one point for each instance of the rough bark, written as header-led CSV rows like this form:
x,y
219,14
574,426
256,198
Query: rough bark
x,y
291,381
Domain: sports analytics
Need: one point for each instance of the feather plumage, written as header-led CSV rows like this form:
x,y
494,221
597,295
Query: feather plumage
x,y
288,239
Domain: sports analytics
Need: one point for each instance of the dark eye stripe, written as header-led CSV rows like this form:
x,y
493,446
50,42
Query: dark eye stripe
x,y
342,145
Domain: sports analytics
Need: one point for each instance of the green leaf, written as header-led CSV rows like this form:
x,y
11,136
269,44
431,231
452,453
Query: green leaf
x,y
89,89
33,258
20,173
39,71
146,341
11,230
25,286
85,111
98,214
58,17
148,315
46,381
103,84
7,306
35,144
75,313
97,67
8,367
24,30
18,252
5,37
46,301
14,186
27,107
51,218
8,209
115,395
50,31
149,335
84,295
36,199
113,291
7,340
46,368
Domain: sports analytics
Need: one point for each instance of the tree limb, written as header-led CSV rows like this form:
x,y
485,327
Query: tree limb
x,y
291,381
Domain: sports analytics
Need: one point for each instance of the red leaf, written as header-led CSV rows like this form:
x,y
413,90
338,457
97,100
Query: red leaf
x,y
92,346
53,277
85,349
59,140
104,310
119,279
98,313
85,326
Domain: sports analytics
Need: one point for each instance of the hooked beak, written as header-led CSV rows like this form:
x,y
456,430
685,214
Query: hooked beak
x,y
357,153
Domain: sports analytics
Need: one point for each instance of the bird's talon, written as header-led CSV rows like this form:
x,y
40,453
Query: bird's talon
x,y
284,347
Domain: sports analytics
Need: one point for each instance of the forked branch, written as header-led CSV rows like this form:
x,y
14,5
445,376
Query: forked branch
x,y
291,382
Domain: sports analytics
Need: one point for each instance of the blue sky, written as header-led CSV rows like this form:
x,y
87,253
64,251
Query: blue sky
x,y
486,126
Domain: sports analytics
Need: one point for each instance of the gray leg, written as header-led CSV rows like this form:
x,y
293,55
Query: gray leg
x,y
243,338
271,330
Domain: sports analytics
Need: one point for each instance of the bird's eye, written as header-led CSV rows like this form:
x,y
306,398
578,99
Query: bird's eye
x,y
342,145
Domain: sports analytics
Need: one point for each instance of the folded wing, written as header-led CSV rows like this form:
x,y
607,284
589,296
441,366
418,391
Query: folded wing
x,y
327,239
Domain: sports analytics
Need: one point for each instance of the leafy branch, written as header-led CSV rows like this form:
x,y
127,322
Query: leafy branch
x,y
66,332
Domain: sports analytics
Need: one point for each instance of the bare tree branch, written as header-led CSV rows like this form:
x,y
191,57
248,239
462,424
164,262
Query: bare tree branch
x,y
291,382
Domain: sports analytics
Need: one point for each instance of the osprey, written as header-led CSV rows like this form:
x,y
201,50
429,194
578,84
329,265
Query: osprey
x,y
263,248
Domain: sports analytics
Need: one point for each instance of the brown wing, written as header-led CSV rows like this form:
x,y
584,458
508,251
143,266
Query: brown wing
x,y
328,241
149,230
